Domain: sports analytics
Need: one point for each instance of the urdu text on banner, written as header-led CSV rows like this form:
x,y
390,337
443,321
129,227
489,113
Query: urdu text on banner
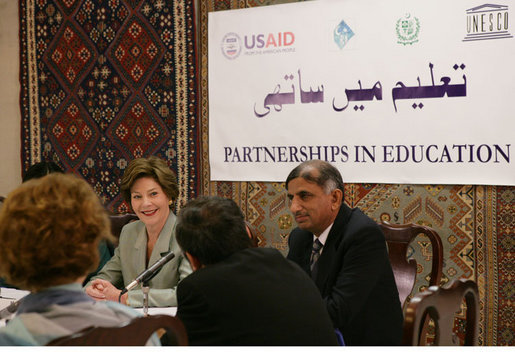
x,y
388,92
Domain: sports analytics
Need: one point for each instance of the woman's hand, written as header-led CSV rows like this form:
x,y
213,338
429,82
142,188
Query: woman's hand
x,y
102,290
96,289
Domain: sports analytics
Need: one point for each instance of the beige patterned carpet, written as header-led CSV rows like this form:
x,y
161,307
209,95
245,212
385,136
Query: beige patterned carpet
x,y
476,223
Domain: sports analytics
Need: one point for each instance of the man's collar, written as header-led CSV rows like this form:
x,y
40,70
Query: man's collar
x,y
323,236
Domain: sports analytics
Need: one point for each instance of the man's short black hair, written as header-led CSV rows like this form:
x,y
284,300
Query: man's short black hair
x,y
211,229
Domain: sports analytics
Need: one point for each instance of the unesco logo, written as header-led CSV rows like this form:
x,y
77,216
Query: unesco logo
x,y
487,22
231,46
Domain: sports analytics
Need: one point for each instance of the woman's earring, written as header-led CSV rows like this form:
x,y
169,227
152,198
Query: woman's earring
x,y
170,202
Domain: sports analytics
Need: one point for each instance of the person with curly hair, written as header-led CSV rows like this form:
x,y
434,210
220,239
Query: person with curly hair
x,y
150,187
49,230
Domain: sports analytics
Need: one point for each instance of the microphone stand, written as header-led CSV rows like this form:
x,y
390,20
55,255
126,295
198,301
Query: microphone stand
x,y
145,288
145,277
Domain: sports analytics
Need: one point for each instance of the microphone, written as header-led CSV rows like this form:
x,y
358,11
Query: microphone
x,y
149,273
10,309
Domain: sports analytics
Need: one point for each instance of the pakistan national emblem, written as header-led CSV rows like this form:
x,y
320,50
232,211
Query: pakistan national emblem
x,y
407,30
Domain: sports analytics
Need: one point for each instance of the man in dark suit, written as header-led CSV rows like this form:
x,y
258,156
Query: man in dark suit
x,y
345,253
239,295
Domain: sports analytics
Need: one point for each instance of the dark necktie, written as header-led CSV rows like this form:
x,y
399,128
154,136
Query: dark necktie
x,y
315,253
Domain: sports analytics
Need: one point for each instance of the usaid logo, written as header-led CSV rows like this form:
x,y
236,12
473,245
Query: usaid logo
x,y
257,44
487,22
264,41
231,46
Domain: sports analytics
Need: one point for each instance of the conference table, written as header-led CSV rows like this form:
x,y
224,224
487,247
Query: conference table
x,y
9,296
159,310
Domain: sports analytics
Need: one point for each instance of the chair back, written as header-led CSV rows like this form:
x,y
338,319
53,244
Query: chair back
x,y
398,238
251,231
120,220
135,333
440,304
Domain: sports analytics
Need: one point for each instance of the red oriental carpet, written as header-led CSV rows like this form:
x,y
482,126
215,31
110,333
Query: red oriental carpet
x,y
104,82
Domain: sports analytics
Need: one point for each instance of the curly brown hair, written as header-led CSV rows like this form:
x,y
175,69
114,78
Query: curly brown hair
x,y
49,232
149,167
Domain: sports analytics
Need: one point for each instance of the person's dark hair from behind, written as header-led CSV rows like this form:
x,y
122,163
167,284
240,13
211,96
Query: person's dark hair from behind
x,y
211,229
41,169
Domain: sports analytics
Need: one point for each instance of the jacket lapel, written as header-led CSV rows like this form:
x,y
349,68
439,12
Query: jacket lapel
x,y
163,245
306,244
140,246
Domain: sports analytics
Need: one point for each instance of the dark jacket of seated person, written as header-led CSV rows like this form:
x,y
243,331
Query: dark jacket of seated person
x,y
239,295
353,272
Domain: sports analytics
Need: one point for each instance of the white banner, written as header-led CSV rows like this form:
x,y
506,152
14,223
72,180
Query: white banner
x,y
398,91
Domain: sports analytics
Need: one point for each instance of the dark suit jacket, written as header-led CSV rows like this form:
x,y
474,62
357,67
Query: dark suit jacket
x,y
254,297
355,278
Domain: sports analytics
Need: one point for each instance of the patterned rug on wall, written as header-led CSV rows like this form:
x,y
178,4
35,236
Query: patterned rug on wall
x,y
476,223
104,82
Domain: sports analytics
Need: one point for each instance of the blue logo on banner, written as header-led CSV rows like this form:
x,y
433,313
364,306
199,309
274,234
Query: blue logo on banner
x,y
342,34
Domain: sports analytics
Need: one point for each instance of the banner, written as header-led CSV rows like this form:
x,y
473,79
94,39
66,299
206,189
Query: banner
x,y
388,92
